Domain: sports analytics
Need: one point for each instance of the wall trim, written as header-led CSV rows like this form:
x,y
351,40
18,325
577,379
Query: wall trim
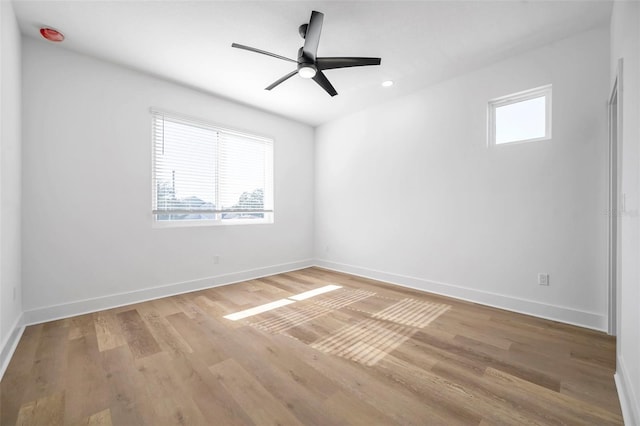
x,y
10,344
524,306
529,307
629,402
85,306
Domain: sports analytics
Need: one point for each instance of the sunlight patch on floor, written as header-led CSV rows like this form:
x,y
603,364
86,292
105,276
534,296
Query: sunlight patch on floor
x,y
259,309
317,291
280,303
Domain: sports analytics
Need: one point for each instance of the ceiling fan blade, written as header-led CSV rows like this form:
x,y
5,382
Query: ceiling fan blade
x,y
312,38
264,52
332,63
322,80
286,77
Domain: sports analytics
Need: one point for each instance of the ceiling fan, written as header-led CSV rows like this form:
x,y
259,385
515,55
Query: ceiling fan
x,y
309,65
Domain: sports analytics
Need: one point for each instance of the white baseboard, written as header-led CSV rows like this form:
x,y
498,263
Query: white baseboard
x,y
557,313
629,402
10,344
524,306
79,307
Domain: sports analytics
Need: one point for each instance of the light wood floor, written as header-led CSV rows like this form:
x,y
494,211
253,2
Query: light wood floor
x,y
366,354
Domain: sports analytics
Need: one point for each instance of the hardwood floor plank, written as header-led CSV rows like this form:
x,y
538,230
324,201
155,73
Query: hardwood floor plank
x,y
86,393
216,309
469,328
275,369
197,339
170,400
350,410
602,394
271,290
395,400
48,410
48,372
365,353
103,418
164,307
562,367
108,331
80,326
130,400
260,405
213,400
523,371
190,308
497,408
241,296
16,379
571,410
25,352
454,401
137,334
163,332
291,381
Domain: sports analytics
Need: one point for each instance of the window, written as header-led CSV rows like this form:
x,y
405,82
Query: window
x,y
203,174
521,117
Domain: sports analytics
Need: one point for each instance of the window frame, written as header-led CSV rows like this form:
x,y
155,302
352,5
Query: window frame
x,y
269,214
515,98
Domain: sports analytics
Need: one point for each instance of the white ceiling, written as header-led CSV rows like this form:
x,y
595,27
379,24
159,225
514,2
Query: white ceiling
x,y
420,42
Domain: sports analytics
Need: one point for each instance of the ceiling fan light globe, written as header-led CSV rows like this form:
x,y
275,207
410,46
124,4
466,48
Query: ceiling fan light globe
x,y
307,72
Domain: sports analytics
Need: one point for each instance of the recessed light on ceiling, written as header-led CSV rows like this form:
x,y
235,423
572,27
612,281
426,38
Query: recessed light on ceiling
x,y
51,34
387,83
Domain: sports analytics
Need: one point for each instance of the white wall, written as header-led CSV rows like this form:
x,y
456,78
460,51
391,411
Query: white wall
x,y
446,214
410,193
625,44
10,165
87,224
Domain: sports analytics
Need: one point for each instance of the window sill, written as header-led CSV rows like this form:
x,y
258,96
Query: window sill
x,y
199,223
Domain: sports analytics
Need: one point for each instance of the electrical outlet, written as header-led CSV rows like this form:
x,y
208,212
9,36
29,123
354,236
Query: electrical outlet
x,y
543,279
216,260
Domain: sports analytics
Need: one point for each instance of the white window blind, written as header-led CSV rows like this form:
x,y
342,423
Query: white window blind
x,y
204,173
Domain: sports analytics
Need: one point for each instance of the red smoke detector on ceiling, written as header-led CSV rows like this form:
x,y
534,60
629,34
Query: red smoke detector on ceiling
x,y
51,34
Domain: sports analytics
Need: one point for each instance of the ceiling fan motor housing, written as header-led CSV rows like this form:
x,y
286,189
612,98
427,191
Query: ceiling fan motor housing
x,y
303,59
306,65
302,30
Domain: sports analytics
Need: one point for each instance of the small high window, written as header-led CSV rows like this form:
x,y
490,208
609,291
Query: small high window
x,y
521,117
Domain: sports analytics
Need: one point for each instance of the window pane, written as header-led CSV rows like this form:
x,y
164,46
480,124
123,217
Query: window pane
x,y
242,177
521,120
201,172
185,171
